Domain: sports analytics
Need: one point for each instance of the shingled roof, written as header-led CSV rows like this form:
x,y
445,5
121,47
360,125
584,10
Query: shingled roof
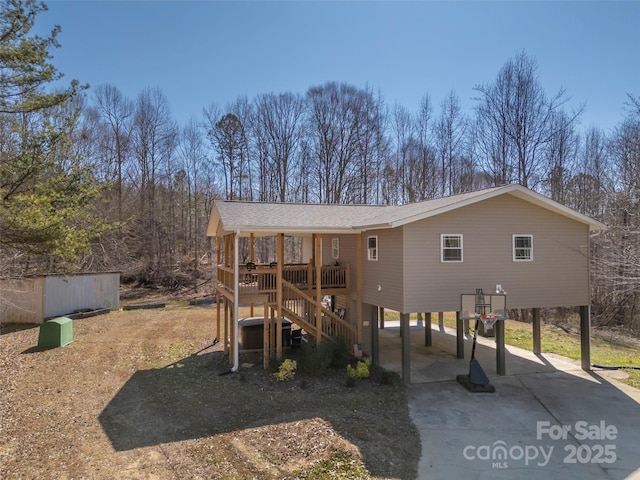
x,y
264,218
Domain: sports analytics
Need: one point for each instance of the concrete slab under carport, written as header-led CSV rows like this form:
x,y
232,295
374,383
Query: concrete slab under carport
x,y
439,362
537,388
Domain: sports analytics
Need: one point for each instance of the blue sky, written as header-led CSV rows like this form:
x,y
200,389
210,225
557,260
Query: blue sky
x,y
212,51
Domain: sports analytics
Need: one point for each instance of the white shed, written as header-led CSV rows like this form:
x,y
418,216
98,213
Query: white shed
x,y
36,298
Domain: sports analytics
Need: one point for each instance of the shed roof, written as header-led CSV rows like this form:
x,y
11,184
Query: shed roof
x,y
263,218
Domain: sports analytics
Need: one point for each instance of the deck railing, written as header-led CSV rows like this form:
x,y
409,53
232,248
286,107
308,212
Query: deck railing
x,y
302,309
262,279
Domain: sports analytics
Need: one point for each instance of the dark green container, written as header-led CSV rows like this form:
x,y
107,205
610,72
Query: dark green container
x,y
56,333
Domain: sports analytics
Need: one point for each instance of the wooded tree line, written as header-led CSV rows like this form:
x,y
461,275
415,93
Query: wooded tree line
x,y
93,180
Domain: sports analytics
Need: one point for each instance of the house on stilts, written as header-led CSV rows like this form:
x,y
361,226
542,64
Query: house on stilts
x,y
412,258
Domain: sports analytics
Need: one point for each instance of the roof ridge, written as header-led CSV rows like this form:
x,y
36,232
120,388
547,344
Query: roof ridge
x,y
260,202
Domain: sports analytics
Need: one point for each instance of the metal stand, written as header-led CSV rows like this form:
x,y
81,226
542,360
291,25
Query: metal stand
x,y
476,381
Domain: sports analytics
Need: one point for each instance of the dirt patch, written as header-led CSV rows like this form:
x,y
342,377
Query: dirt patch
x,y
139,395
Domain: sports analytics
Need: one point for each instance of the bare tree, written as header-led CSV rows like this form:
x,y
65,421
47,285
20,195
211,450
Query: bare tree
x,y
244,111
192,153
214,186
154,137
616,272
414,159
390,183
372,146
494,146
515,122
451,129
337,120
116,113
278,131
560,155
428,170
633,105
228,138
404,140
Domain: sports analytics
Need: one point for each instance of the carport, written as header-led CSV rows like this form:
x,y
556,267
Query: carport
x,y
515,433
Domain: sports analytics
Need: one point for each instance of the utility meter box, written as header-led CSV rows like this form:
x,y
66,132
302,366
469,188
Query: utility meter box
x,y
56,333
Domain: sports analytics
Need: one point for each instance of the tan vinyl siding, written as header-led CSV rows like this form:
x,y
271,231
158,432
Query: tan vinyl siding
x,y
386,272
347,256
347,249
557,276
347,253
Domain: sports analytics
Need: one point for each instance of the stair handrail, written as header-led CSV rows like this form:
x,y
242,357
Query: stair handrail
x,y
337,324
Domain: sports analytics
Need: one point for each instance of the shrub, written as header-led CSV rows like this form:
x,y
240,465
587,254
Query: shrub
x,y
328,353
287,370
387,377
361,369
382,376
340,355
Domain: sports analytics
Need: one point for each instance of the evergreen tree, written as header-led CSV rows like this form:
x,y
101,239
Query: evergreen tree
x,y
46,192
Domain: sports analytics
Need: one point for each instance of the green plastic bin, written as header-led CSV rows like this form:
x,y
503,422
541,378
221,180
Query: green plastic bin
x,y
56,333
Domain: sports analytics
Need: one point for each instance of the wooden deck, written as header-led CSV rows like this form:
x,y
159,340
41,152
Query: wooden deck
x,y
299,302
257,282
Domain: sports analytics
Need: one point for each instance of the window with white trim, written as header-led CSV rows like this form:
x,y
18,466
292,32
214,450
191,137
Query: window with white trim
x,y
522,248
335,248
372,248
451,247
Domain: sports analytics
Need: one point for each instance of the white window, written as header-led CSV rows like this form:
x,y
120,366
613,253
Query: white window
x,y
523,248
335,248
451,250
372,248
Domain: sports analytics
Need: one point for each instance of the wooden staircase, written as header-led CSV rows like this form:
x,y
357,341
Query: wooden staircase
x,y
302,309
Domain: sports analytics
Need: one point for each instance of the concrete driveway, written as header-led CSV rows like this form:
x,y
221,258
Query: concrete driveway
x,y
548,419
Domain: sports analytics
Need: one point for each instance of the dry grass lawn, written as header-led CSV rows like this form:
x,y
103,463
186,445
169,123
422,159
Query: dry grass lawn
x,y
139,395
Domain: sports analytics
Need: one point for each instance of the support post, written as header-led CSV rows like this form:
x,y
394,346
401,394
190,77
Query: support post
x,y
428,340
459,336
235,346
406,348
218,336
310,270
231,339
375,338
585,337
218,296
317,248
266,344
272,333
359,288
225,334
537,346
251,259
280,259
500,350
381,315
441,321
